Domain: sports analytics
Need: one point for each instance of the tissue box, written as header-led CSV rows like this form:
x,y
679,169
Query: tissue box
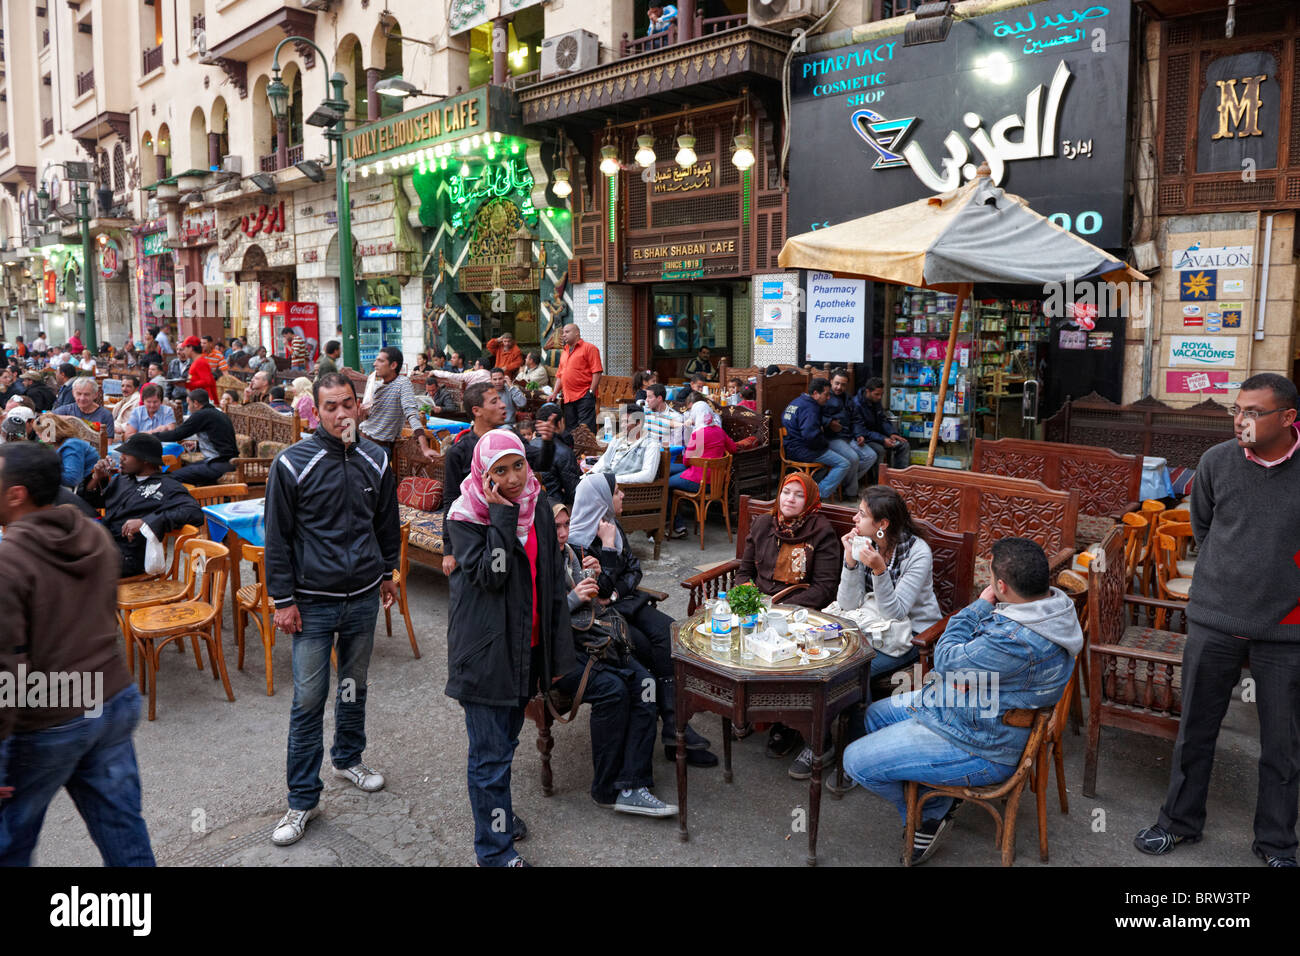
x,y
771,647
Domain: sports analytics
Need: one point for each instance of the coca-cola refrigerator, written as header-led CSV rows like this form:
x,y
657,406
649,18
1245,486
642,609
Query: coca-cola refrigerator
x,y
303,317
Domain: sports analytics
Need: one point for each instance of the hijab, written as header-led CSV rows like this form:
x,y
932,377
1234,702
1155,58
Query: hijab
x,y
472,505
702,415
592,503
788,527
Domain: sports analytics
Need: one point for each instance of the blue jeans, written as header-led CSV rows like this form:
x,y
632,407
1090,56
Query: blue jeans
x,y
839,468
354,622
860,459
899,748
94,758
493,737
677,481
885,663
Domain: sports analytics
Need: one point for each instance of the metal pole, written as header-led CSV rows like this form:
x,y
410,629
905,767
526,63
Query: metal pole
x,y
347,276
963,295
87,266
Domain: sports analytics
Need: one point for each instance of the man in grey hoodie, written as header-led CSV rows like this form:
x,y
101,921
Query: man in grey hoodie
x,y
1013,648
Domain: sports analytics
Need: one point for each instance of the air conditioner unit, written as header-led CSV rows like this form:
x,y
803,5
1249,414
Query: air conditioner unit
x,y
767,13
316,4
232,164
570,52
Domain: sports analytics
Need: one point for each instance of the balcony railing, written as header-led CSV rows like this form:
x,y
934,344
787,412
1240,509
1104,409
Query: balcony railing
x,y
85,82
152,60
266,164
199,22
703,26
47,128
4,142
295,154
655,41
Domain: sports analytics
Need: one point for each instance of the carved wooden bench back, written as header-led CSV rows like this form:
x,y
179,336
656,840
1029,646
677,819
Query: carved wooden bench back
x,y
261,423
1108,484
1146,427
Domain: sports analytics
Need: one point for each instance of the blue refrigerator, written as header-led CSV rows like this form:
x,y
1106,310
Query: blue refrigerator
x,y
378,326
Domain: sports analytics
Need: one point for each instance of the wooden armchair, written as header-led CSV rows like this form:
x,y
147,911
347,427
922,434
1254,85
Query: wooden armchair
x,y
751,468
645,504
1135,669
261,424
790,465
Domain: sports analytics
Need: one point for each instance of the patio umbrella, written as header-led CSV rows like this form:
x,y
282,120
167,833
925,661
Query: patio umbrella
x,y
950,242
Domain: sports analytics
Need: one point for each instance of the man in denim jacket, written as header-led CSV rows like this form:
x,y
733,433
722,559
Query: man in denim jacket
x,y
1012,648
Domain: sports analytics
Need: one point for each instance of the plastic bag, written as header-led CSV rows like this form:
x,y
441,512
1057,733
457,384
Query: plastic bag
x,y
155,554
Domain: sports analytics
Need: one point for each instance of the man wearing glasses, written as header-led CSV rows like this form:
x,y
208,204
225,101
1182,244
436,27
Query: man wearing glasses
x,y
1244,605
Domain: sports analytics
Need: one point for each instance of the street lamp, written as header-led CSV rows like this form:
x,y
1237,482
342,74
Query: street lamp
x,y
80,174
331,116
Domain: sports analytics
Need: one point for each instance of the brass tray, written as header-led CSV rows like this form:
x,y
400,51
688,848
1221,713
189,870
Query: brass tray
x,y
690,639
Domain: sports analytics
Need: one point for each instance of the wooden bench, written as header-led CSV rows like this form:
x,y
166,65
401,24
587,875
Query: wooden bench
x,y
645,504
1146,427
614,390
991,507
260,423
751,468
424,545
1109,485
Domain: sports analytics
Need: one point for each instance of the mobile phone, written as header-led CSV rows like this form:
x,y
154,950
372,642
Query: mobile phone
x,y
491,484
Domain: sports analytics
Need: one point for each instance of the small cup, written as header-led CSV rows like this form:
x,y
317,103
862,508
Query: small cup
x,y
589,573
812,642
779,622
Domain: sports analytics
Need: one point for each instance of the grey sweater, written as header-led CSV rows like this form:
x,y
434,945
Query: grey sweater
x,y
1246,519
911,597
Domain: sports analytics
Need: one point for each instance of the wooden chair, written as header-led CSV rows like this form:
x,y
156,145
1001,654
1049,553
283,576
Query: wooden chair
x,y
1135,668
1151,508
400,576
1052,751
1007,793
148,590
1135,529
1171,585
789,465
715,486
645,504
218,494
152,628
253,603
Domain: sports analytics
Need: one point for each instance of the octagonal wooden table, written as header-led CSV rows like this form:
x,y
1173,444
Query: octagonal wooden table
x,y
807,697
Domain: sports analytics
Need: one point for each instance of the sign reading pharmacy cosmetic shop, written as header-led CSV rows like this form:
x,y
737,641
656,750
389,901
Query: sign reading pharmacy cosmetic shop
x,y
1040,93
1202,350
835,329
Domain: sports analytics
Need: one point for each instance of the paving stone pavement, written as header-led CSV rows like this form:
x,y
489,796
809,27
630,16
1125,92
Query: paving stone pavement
x,y
213,778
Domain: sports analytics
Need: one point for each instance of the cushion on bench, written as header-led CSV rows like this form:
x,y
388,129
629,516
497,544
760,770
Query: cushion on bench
x,y
1150,639
426,528
269,449
246,446
424,494
1091,529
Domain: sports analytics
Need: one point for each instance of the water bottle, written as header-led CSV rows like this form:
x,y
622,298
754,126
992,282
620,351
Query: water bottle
x,y
609,429
720,626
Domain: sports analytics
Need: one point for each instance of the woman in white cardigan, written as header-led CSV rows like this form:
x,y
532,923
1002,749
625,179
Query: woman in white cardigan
x,y
896,567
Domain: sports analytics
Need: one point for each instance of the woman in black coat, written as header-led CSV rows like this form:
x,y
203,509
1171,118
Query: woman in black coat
x,y
508,629
594,530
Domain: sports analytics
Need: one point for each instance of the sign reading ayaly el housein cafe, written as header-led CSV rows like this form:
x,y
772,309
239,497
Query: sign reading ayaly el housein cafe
x,y
1039,93
481,110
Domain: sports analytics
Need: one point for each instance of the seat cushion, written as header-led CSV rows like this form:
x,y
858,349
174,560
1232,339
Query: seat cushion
x,y
1091,529
426,528
246,446
1187,567
750,442
269,449
1180,587
1165,696
423,494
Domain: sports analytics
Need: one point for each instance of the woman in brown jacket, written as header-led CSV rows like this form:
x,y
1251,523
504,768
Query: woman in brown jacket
x,y
795,546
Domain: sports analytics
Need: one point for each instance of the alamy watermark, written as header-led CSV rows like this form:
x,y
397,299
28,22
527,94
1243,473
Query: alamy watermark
x,y
968,690
1084,301
55,690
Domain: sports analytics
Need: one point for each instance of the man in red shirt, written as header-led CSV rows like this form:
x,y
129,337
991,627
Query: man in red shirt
x,y
506,355
200,374
577,378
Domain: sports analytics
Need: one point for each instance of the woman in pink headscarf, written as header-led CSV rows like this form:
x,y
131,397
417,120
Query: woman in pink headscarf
x,y
508,629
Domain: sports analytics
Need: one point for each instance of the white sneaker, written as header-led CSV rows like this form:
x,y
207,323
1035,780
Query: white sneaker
x,y
644,803
292,826
363,777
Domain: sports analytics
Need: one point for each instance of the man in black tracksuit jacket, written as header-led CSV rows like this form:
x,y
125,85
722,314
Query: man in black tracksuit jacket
x,y
333,540
139,498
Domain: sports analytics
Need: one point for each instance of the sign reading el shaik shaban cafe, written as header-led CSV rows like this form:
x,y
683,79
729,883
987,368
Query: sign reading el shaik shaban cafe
x,y
1039,93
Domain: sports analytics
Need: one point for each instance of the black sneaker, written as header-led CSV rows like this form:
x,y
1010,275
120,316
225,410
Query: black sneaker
x,y
926,838
801,769
1270,860
521,829
783,741
1155,840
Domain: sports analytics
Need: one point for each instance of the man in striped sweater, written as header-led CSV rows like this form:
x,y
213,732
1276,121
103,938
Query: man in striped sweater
x,y
393,405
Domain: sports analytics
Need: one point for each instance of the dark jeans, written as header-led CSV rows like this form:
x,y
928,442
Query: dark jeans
x,y
354,623
624,717
95,759
898,457
493,736
202,473
676,481
1212,662
651,631
581,412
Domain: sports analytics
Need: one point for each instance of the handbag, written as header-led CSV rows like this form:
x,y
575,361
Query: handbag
x,y
894,642
605,638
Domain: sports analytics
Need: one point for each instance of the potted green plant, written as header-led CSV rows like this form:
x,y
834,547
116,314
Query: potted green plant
x,y
746,603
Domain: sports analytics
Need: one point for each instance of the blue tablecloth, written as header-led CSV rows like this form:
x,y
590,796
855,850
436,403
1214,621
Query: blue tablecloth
x,y
169,448
245,518
438,424
1155,479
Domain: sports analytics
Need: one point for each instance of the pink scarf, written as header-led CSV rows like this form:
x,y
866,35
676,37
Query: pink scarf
x,y
472,505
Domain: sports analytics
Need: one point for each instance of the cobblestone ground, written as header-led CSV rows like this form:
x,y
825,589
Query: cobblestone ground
x,y
213,776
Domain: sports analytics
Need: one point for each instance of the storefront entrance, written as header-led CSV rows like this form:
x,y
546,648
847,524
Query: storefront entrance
x,y
687,317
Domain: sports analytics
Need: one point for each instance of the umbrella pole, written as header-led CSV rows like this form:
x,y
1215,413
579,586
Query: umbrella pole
x,y
962,295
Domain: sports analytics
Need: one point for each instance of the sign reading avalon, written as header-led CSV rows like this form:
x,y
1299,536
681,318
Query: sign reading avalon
x,y
1042,100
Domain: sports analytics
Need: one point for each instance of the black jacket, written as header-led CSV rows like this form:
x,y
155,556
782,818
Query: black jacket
x,y
162,502
211,423
489,631
870,420
65,396
42,397
620,571
332,530
460,456
561,479
838,409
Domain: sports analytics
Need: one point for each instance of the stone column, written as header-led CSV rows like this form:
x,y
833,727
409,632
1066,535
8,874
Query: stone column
x,y
373,75
214,150
500,50
282,143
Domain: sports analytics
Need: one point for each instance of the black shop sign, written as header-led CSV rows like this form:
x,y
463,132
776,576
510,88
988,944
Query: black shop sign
x,y
1040,93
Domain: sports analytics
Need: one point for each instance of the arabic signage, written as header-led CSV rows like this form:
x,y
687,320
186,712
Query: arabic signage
x,y
199,228
1202,350
673,179
836,319
110,259
154,244
1237,117
453,118
1038,93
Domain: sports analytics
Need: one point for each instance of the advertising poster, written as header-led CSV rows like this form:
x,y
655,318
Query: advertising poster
x,y
836,319
1202,350
1207,383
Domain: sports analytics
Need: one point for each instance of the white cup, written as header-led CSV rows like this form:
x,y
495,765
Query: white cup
x,y
779,622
